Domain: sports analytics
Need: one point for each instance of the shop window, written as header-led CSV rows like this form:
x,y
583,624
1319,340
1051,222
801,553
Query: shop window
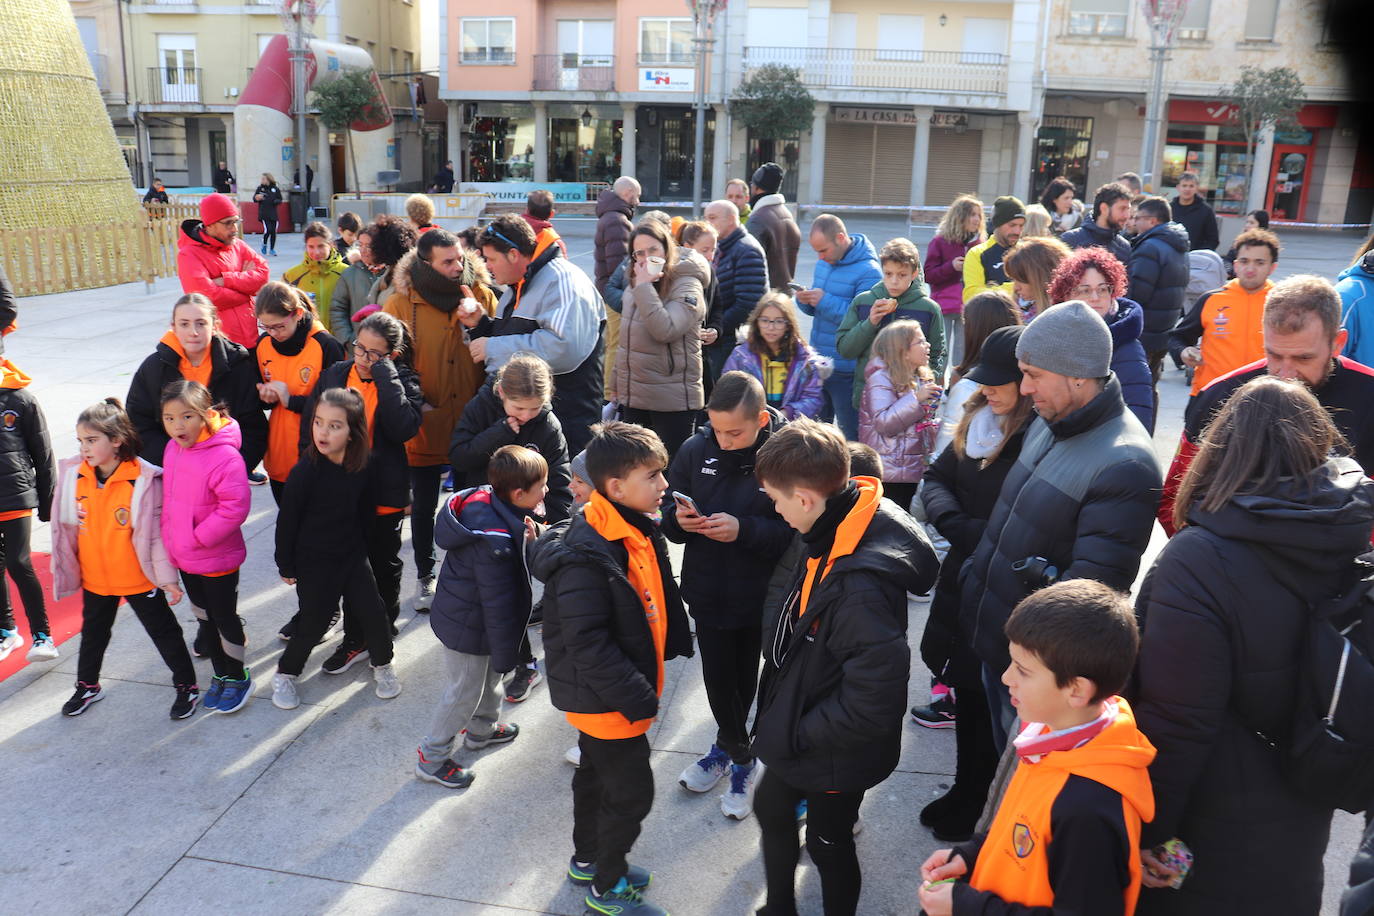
x,y
1259,20
901,37
785,152
501,149
1217,154
488,41
584,154
665,41
1103,18
1193,25
1062,147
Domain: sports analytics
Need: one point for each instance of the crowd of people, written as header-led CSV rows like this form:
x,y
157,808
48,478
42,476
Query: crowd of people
x,y
975,425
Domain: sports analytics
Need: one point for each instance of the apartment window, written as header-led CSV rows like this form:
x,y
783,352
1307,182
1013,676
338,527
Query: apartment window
x,y
1106,18
1193,25
901,37
586,42
665,41
784,28
263,41
1259,20
488,41
985,41
410,61
395,59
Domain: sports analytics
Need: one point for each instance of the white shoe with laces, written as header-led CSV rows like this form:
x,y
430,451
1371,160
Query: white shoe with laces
x,y
284,694
738,800
43,648
388,684
573,755
9,641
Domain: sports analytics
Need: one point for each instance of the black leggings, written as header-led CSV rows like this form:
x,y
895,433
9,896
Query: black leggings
x,y
269,234
218,597
14,549
730,667
674,427
384,555
424,504
97,621
830,818
319,592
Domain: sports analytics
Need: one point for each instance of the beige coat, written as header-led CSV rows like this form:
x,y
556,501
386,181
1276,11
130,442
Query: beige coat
x,y
658,363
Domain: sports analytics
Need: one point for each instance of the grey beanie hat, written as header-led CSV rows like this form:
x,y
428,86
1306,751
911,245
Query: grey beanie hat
x,y
579,466
1068,339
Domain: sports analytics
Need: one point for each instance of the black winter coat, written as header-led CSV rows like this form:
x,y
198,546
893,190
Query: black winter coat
x,y
1082,494
482,598
1201,222
1159,281
26,463
830,718
1090,235
1223,613
233,383
395,423
482,429
599,652
741,269
725,584
959,493
268,207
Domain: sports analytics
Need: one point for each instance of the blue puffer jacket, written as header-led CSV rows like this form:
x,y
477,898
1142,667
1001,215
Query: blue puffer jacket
x,y
742,273
1356,286
482,599
1129,362
855,273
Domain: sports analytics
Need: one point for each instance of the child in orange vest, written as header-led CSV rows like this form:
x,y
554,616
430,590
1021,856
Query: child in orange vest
x,y
107,542
612,616
1067,832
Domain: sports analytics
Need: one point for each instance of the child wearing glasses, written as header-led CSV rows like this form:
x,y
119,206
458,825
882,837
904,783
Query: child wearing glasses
x,y
775,352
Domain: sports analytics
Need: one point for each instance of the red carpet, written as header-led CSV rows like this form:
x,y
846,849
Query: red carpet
x,y
63,616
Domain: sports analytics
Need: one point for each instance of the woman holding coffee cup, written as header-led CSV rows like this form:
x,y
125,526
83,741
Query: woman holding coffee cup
x,y
657,379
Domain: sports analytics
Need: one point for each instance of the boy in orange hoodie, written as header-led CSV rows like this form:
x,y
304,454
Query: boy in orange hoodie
x,y
1067,831
612,617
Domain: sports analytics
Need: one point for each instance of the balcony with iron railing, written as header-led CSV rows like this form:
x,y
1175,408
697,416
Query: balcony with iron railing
x,y
175,85
970,72
574,72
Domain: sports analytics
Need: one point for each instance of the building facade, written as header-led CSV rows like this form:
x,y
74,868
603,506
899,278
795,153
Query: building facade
x,y
171,74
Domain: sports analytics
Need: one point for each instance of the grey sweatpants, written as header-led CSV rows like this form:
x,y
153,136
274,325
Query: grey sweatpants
x,y
471,701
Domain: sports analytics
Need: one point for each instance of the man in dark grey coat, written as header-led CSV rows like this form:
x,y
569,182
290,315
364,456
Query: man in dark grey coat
x,y
1079,502
615,211
1111,209
1159,278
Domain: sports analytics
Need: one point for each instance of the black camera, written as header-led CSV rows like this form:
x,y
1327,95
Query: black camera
x,y
1036,572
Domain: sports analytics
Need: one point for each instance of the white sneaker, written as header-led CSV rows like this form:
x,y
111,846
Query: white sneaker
x,y
43,649
284,694
388,684
738,800
573,755
424,596
9,641
703,775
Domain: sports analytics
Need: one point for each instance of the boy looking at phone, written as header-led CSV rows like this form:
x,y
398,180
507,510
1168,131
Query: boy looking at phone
x,y
733,539
1067,831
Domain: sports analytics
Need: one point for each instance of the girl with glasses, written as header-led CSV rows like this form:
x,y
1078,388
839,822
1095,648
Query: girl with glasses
x,y
774,352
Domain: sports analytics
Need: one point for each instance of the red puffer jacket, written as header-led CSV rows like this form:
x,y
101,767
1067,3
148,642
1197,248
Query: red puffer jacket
x,y
201,259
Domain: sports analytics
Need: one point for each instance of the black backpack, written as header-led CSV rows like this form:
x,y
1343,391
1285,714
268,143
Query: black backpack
x,y
1329,755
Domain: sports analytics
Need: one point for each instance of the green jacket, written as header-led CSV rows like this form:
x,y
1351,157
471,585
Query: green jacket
x,y
854,340
318,277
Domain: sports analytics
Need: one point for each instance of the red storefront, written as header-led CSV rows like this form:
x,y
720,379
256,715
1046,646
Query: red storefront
x,y
1203,137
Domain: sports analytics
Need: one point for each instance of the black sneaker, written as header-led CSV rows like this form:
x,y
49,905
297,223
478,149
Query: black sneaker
x,y
344,657
939,714
526,676
449,774
188,698
85,695
503,733
257,478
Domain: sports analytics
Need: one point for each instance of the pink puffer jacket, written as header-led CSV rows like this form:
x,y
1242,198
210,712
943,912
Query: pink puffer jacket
x,y
206,501
896,425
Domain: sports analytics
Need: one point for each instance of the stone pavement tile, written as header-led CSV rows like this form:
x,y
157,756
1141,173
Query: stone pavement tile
x,y
197,887
110,800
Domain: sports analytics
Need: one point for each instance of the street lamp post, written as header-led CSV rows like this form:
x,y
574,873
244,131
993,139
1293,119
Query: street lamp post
x,y
1163,17
703,16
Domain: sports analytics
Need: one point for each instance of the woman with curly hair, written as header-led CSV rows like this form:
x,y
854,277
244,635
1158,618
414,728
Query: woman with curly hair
x,y
392,238
1094,276
774,352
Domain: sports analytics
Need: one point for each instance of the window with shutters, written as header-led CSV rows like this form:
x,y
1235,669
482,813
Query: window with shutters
x,y
1193,25
868,164
1103,18
1259,20
953,166
901,37
485,41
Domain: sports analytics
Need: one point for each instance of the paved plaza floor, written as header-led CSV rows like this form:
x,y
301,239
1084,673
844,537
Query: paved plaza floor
x,y
317,810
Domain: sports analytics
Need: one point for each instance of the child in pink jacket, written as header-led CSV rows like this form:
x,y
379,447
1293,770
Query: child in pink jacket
x,y
206,501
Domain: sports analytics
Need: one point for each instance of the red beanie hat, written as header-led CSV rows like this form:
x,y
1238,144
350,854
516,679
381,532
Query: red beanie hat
x,y
216,207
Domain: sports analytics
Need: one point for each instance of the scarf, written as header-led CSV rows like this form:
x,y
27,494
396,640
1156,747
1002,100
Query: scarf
x,y
1034,742
984,434
436,289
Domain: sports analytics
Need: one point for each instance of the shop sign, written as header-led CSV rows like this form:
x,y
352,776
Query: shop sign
x,y
886,117
516,191
1196,111
671,79
949,119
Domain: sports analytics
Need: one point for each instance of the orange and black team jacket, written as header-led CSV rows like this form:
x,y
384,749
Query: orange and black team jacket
x,y
1228,325
1066,836
299,362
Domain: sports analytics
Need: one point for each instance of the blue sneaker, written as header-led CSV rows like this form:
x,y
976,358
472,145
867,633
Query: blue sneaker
x,y
703,775
210,702
581,873
236,694
622,900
